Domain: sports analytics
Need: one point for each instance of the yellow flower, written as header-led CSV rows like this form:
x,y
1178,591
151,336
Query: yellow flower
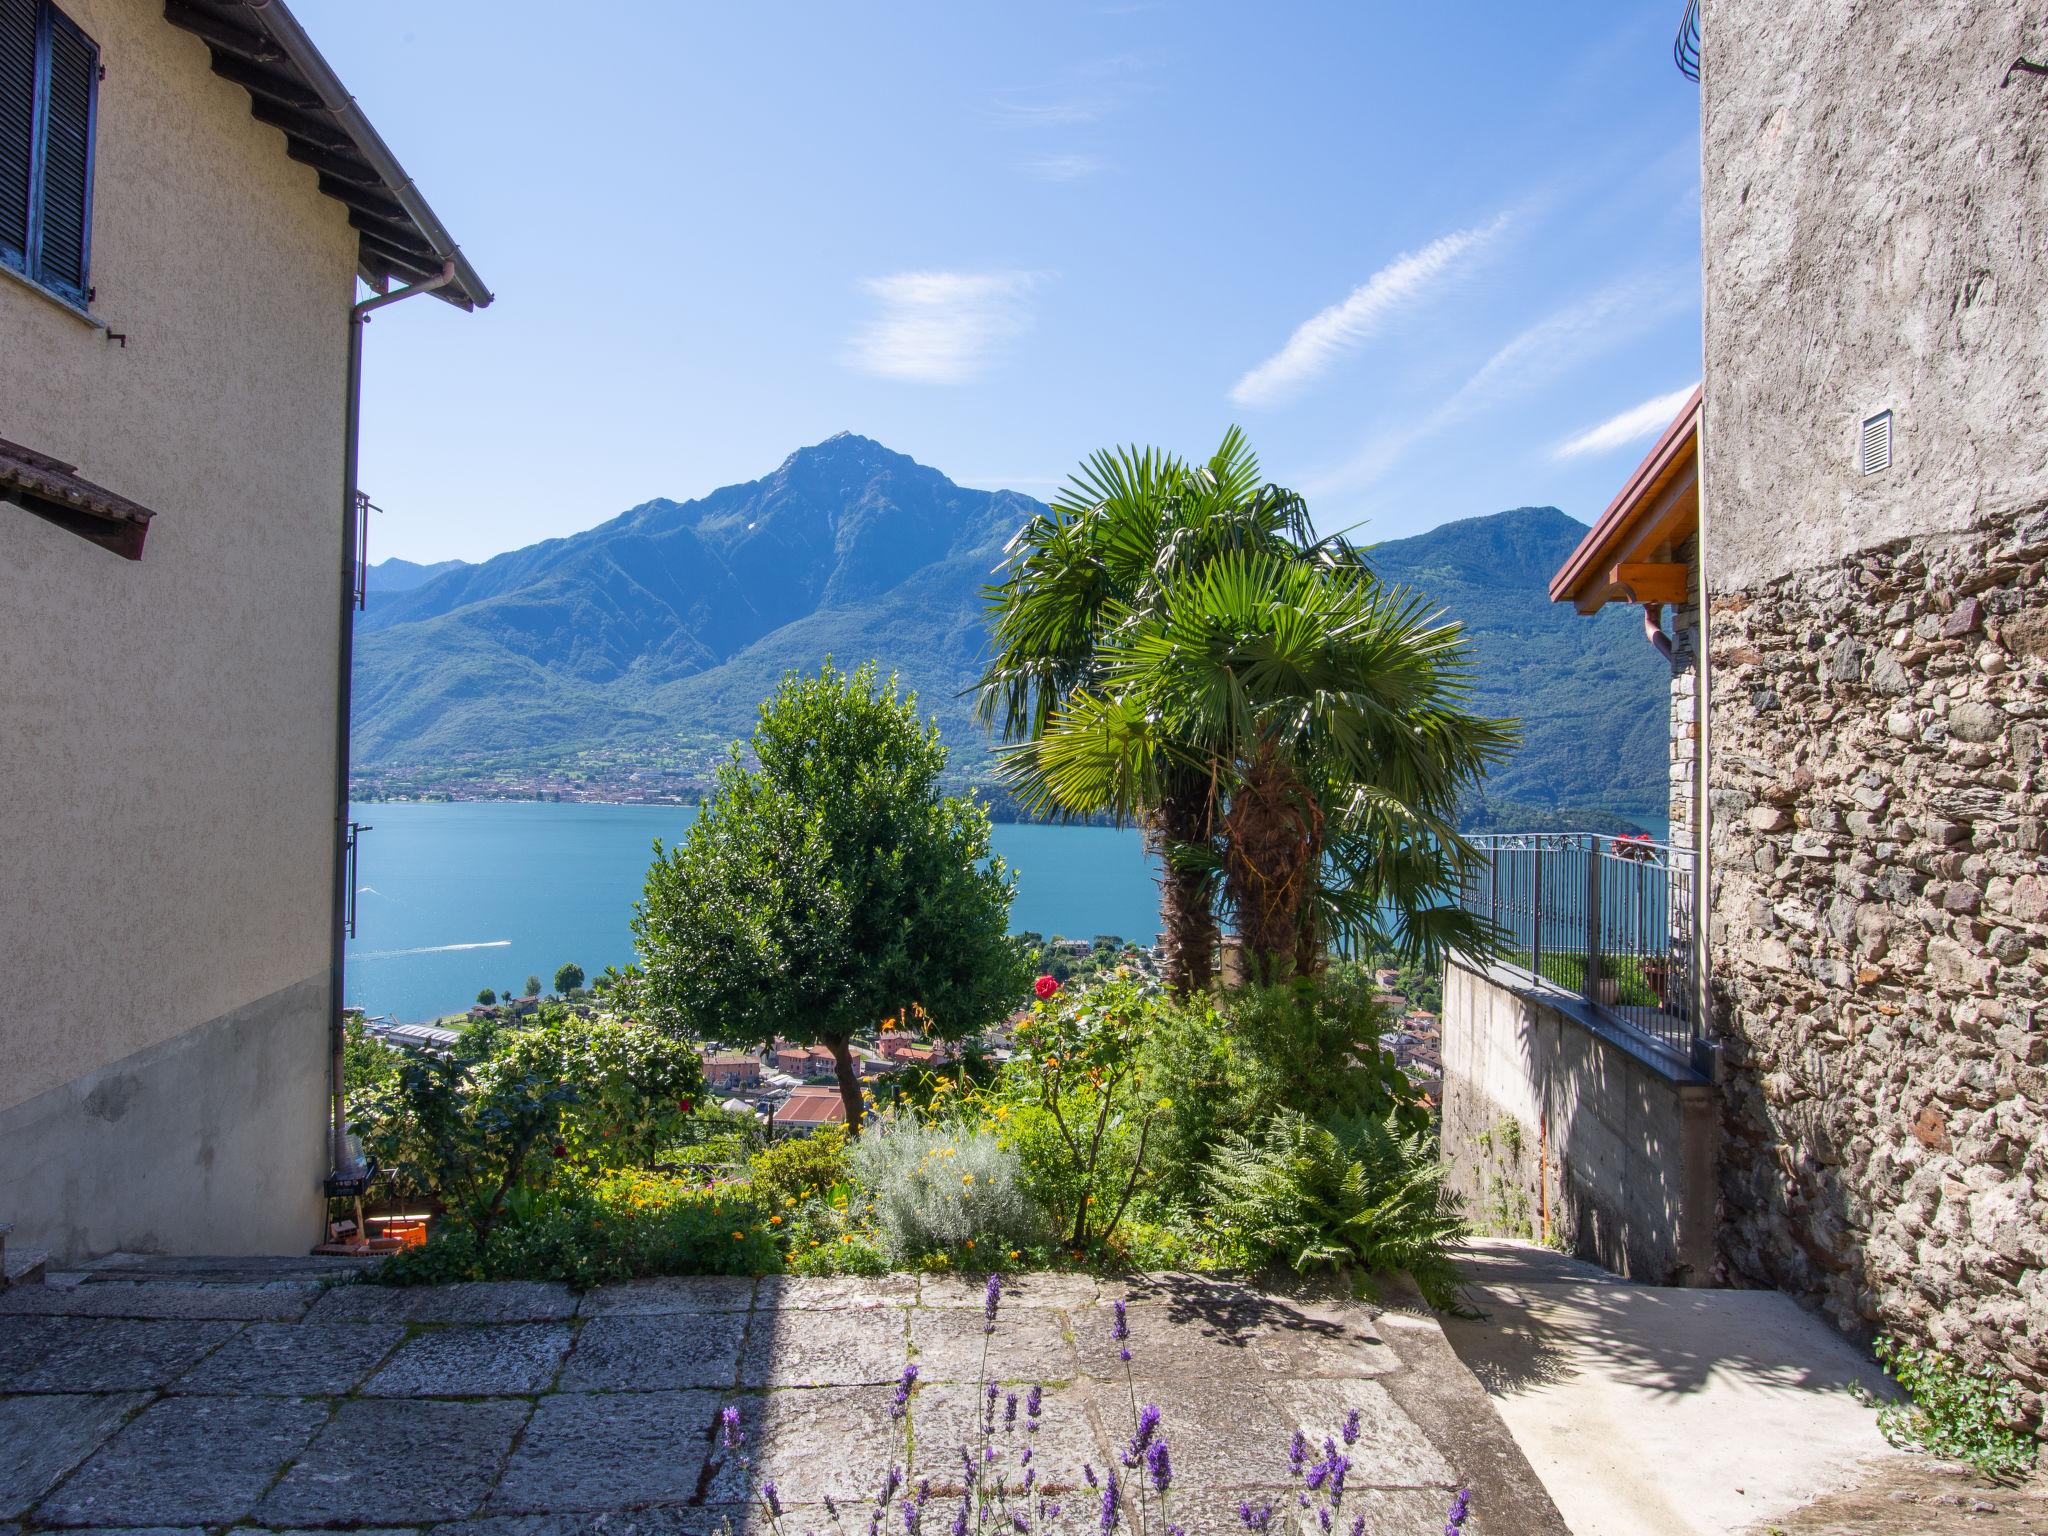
x,y
737,1236
966,1178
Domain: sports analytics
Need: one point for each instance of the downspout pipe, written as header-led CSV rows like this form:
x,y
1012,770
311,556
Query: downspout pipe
x,y
1654,631
342,1162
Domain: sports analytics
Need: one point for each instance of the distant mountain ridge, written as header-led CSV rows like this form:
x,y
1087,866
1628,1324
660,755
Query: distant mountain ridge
x,y
396,575
638,648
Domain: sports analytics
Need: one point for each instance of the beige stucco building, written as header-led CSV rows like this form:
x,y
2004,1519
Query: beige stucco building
x,y
171,763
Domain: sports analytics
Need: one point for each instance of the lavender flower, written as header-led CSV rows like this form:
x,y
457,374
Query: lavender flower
x,y
1010,1411
831,1508
1111,1508
1255,1519
1088,1471
772,1499
960,1519
1176,1530
729,1429
1340,1467
1459,1508
1358,1526
903,1387
910,1513
1024,1458
1157,1464
1032,1400
1351,1421
891,1481
1030,1476
1019,1524
1297,1452
1120,1332
991,1298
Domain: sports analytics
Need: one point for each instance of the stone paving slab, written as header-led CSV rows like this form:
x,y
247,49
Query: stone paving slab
x,y
678,1293
25,1340
496,1360
835,1293
818,1349
281,1360
393,1462
203,1459
42,1438
592,1451
817,1442
1028,1345
518,1409
119,1355
1078,1426
662,1352
473,1301
285,1303
1048,1289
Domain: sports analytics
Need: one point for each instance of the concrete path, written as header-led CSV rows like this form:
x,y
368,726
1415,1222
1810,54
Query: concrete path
x,y
1681,1412
181,1395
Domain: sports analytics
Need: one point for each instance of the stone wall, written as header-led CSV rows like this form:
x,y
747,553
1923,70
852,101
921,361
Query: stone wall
x,y
1879,815
1682,624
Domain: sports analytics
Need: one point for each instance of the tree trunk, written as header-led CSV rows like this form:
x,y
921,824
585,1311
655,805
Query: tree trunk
x,y
1187,923
849,1080
1271,831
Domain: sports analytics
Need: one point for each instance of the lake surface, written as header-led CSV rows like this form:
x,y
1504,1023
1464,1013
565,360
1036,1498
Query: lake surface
x,y
452,898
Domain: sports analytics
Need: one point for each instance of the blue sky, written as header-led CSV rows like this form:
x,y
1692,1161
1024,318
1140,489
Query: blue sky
x,y
1437,260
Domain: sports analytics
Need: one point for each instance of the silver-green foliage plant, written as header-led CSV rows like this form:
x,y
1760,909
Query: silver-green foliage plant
x,y
1353,1193
1957,1412
938,1187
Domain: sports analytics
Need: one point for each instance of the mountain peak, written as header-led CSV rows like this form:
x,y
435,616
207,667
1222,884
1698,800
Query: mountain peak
x,y
849,448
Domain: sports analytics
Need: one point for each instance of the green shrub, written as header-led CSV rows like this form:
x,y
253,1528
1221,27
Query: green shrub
x,y
1957,1412
1358,1192
1310,1044
617,1226
366,1061
800,1168
940,1189
565,1094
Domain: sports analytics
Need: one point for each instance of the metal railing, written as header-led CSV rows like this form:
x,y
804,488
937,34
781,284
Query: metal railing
x,y
1611,920
1685,48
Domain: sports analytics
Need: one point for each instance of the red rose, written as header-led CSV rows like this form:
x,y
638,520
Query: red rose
x,y
1046,988
561,1149
683,1106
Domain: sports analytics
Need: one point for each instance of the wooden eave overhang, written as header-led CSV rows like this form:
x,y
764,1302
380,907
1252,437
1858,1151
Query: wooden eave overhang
x,y
55,490
262,48
1631,554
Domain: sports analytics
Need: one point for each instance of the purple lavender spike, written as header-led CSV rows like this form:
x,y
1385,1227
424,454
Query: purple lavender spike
x,y
1351,1426
1112,1507
1158,1465
1460,1507
771,1498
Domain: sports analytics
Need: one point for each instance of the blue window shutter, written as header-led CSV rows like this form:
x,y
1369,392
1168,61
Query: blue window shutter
x,y
17,123
65,201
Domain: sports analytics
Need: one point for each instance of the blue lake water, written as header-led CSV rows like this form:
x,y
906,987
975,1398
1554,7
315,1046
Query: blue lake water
x,y
453,898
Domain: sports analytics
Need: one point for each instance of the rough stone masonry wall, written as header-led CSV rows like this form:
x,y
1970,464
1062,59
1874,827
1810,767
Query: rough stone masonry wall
x,y
1879,814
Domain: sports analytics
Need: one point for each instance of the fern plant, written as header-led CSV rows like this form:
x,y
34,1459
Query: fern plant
x,y
1355,1192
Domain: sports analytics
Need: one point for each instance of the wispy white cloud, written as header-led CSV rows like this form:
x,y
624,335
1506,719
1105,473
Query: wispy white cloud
x,y
1631,426
1529,360
940,327
1323,338
1064,167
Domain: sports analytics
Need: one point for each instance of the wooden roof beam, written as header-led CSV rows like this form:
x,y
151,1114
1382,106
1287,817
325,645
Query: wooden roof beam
x,y
258,81
1652,581
224,35
297,125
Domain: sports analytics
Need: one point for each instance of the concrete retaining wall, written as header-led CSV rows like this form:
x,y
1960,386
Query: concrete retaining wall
x,y
1555,1129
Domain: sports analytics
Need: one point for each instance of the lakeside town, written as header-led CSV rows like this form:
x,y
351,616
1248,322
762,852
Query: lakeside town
x,y
790,1087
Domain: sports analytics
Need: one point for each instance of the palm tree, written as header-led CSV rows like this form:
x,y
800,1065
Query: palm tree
x,y
1326,717
1126,526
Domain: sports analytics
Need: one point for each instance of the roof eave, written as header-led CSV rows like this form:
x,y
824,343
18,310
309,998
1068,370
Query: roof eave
x,y
1586,564
273,21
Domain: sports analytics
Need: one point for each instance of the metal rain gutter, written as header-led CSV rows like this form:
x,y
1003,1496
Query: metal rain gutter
x,y
278,23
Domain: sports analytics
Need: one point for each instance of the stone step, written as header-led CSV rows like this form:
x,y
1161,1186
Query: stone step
x,y
25,1266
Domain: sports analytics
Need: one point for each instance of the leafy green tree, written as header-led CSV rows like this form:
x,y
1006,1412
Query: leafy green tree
x,y
1102,556
568,978
532,987
1327,713
830,887
487,998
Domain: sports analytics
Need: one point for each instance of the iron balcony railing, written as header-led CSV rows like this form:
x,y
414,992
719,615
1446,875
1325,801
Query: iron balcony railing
x,y
1611,920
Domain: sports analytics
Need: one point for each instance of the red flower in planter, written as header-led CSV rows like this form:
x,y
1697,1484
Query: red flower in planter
x,y
1046,988
683,1106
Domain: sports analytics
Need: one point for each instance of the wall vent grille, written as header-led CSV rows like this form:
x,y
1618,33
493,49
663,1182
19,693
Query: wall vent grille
x,y
1877,443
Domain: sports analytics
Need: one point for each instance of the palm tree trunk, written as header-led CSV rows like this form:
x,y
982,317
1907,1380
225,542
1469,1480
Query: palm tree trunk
x,y
1187,923
1272,830
849,1080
